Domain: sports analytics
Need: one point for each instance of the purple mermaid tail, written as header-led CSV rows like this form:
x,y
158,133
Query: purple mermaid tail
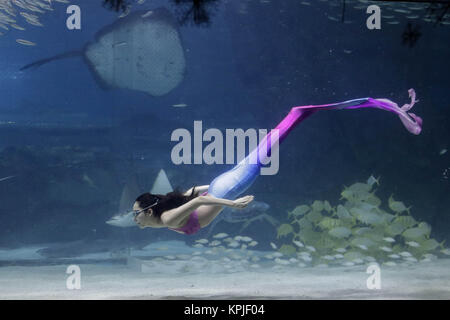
x,y
234,182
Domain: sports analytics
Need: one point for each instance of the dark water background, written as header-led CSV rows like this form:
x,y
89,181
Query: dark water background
x,y
243,71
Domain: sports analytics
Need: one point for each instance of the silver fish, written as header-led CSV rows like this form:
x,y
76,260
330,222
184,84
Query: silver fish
x,y
6,178
25,42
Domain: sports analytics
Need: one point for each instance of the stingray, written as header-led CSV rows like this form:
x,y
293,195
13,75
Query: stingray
x,y
142,51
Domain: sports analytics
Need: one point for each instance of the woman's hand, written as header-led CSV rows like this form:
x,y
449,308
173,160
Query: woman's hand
x,y
242,202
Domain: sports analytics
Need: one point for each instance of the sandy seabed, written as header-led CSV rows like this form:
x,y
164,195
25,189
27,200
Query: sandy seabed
x,y
430,281
139,277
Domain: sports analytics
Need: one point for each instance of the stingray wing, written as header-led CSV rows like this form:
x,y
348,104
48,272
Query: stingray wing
x,y
142,52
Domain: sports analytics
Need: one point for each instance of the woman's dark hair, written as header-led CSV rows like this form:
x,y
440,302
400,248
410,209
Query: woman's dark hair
x,y
166,202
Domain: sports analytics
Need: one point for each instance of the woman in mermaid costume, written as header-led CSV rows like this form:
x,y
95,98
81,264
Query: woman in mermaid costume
x,y
190,211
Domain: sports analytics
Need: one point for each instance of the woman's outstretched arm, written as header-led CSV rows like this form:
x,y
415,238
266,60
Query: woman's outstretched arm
x,y
173,218
238,203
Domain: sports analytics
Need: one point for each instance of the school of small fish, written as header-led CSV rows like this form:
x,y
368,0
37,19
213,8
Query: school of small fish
x,y
13,13
17,13
392,12
391,240
359,230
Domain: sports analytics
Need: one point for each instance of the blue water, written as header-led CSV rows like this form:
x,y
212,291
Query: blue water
x,y
246,69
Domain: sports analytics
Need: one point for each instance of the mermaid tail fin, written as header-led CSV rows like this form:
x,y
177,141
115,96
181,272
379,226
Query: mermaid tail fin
x,y
412,122
412,95
235,181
